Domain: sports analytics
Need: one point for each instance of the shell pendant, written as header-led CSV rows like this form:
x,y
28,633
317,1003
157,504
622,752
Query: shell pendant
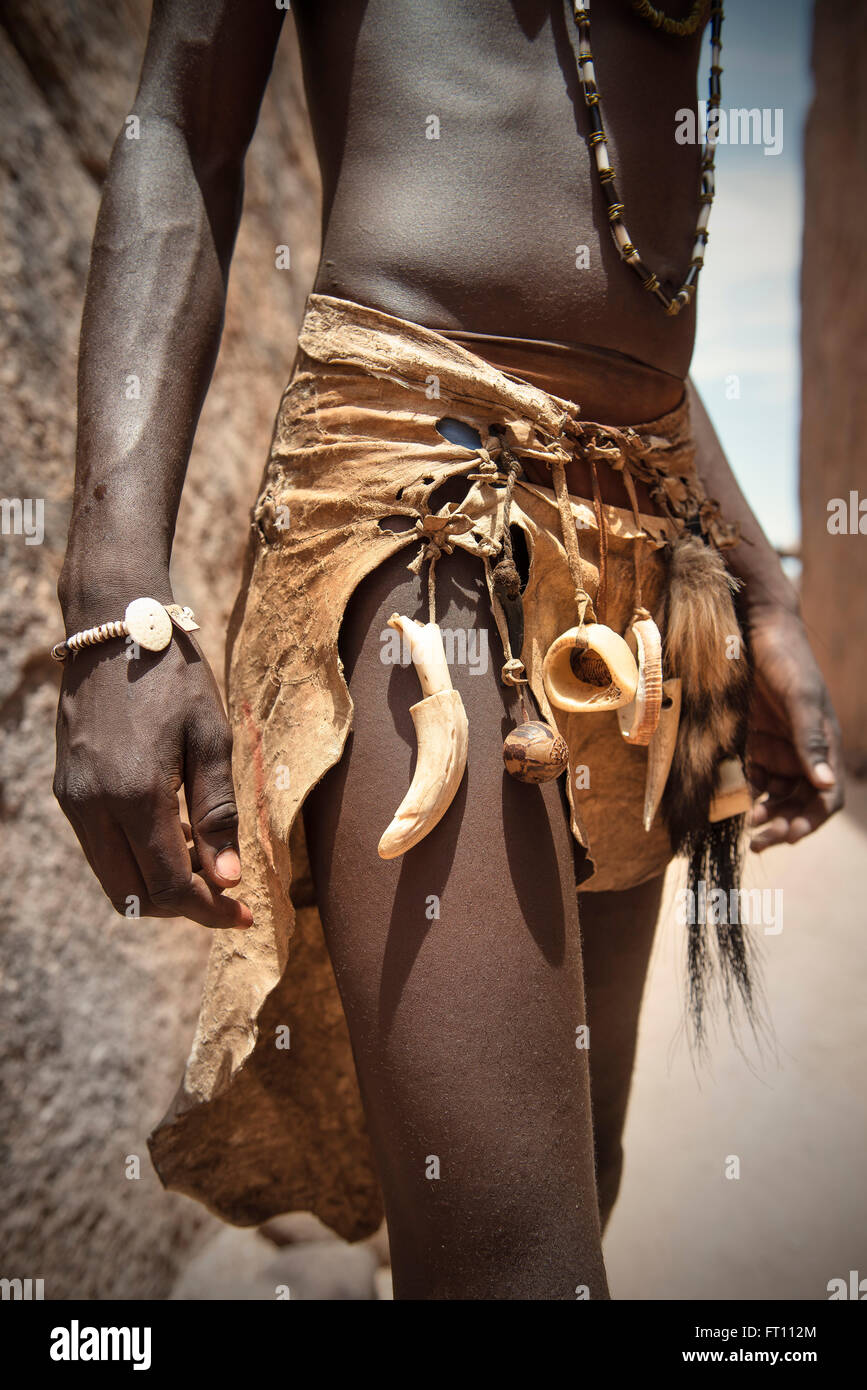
x,y
589,668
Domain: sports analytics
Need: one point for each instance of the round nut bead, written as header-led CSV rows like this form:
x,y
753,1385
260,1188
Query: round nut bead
x,y
534,752
148,624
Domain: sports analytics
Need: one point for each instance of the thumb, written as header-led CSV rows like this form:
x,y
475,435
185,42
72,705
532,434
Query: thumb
x,y
210,797
810,737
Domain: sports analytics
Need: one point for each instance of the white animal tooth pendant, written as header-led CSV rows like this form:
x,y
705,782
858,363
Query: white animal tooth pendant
x,y
534,752
732,796
442,732
589,668
638,719
660,750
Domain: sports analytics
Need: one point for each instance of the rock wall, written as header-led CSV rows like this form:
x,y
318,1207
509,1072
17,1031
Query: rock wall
x,y
98,1013
833,338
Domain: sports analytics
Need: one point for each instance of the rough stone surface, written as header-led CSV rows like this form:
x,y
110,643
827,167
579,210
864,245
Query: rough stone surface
x,y
833,336
98,1014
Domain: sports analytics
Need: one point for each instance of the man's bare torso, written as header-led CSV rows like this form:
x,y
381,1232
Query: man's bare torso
x,y
479,229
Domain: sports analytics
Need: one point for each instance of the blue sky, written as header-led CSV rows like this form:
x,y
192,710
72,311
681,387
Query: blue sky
x,y
748,299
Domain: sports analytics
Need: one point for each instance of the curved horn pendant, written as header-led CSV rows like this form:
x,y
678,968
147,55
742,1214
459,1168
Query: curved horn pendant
x,y
638,719
660,750
732,796
589,668
442,732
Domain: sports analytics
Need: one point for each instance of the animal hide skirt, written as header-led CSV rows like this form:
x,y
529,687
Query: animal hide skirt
x,y
378,414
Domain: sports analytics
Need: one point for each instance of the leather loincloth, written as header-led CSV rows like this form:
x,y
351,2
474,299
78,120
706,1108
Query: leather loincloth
x,y
257,1129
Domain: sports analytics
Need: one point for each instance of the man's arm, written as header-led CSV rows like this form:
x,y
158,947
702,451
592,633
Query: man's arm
x,y
793,749
156,292
130,734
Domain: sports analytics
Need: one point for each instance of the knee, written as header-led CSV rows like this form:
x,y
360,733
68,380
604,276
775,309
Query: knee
x,y
482,1239
489,1254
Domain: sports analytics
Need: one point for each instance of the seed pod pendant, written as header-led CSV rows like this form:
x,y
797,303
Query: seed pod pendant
x,y
534,752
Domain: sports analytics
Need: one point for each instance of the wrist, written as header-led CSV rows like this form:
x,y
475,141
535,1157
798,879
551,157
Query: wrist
x,y
90,596
761,605
765,591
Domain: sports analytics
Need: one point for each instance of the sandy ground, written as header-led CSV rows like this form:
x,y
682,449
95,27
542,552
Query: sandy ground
x,y
796,1117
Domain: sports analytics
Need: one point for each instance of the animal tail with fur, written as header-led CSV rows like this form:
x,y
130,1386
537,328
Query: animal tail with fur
x,y
704,646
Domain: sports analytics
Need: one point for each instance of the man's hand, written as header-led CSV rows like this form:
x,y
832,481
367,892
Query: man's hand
x,y
793,745
130,733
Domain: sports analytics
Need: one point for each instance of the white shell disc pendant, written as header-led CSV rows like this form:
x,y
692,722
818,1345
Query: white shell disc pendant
x,y
148,623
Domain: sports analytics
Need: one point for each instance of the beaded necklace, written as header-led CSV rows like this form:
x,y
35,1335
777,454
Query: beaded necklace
x,y
681,27
672,304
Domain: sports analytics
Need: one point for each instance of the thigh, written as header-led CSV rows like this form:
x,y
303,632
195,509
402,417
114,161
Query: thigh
x,y
459,967
617,933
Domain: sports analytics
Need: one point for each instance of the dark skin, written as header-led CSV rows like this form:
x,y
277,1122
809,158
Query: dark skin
x,y
477,230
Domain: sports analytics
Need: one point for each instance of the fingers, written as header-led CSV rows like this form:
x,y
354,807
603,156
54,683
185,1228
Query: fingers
x,y
816,741
836,797
769,756
802,791
773,769
151,871
108,853
173,889
210,797
191,847
787,817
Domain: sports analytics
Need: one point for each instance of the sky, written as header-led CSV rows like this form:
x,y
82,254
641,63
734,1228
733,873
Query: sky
x,y
748,298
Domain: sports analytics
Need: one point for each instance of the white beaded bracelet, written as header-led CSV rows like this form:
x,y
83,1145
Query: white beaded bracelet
x,y
147,622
